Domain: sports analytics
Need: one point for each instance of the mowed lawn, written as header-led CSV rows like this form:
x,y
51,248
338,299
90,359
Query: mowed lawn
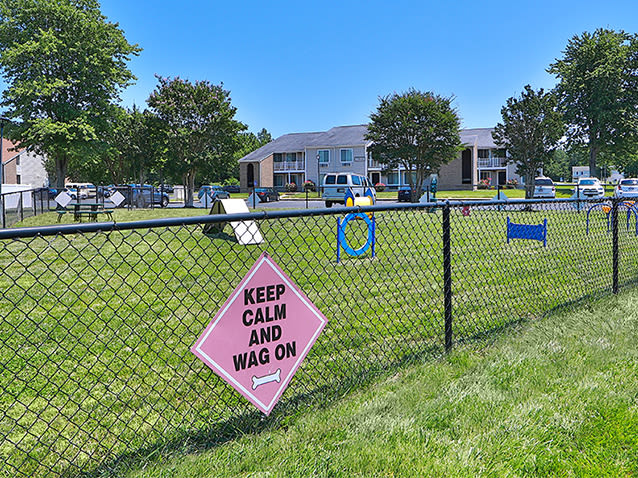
x,y
557,397
97,328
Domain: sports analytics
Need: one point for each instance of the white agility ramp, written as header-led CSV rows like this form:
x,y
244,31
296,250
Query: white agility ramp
x,y
246,232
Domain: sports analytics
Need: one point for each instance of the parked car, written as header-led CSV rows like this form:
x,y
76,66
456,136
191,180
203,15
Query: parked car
x,y
544,188
335,186
142,195
232,188
214,192
105,191
86,189
73,192
267,194
405,194
53,192
167,188
589,188
626,188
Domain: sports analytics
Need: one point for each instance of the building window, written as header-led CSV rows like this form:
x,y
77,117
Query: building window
x,y
393,179
484,153
291,157
324,156
279,180
277,157
18,179
346,156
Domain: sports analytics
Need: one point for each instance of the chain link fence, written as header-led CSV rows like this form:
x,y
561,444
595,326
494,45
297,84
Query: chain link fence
x,y
98,319
19,205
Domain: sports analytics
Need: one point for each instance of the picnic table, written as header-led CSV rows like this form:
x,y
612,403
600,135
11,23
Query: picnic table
x,y
90,210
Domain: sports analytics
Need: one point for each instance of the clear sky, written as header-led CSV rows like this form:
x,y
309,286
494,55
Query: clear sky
x,y
309,66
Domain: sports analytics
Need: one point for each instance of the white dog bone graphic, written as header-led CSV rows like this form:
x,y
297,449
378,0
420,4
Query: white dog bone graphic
x,y
273,377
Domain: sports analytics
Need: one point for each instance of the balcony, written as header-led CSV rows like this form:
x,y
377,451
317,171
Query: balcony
x,y
372,164
491,162
290,165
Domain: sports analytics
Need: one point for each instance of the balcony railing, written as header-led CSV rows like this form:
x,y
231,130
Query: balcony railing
x,y
491,163
290,165
374,164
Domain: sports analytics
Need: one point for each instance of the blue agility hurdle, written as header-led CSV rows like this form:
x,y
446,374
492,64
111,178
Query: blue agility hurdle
x,y
535,232
342,242
606,208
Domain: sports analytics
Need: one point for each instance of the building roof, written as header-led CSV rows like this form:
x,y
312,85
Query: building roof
x,y
348,136
479,137
7,153
293,142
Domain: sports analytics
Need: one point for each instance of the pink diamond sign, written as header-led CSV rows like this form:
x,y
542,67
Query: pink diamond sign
x,y
262,333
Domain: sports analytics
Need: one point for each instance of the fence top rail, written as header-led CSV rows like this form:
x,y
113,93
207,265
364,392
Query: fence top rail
x,y
66,229
22,191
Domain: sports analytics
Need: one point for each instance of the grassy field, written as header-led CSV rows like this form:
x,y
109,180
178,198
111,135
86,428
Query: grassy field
x,y
98,327
556,397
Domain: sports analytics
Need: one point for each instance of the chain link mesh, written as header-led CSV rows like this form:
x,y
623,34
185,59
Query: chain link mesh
x,y
97,326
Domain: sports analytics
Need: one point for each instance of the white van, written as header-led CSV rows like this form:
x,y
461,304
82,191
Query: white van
x,y
85,190
335,186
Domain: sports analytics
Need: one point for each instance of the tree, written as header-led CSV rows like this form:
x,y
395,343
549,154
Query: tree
x,y
64,65
598,92
417,130
201,130
530,131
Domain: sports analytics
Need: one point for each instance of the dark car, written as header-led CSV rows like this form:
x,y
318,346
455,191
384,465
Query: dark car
x,y
143,195
267,194
405,192
105,191
231,188
213,192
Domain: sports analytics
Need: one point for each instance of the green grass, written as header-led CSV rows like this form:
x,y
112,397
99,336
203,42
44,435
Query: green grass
x,y
97,328
556,397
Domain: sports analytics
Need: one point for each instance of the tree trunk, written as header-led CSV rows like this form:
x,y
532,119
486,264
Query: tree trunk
x,y
593,154
60,171
530,184
189,181
418,186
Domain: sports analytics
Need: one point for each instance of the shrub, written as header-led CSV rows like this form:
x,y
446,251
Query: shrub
x,y
291,187
309,186
511,184
379,187
484,184
231,182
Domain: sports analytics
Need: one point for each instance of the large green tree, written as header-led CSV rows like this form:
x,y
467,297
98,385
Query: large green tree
x,y
64,64
598,92
200,126
531,130
417,130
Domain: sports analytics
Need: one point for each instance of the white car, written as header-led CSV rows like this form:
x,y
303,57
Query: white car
x,y
589,188
626,188
544,188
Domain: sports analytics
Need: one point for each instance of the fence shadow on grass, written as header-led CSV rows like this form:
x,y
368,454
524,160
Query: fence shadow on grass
x,y
255,422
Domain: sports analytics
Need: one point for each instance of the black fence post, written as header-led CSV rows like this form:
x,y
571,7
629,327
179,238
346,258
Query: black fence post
x,y
447,276
614,244
577,198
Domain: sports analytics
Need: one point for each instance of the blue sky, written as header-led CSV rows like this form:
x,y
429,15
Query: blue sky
x,y
308,66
